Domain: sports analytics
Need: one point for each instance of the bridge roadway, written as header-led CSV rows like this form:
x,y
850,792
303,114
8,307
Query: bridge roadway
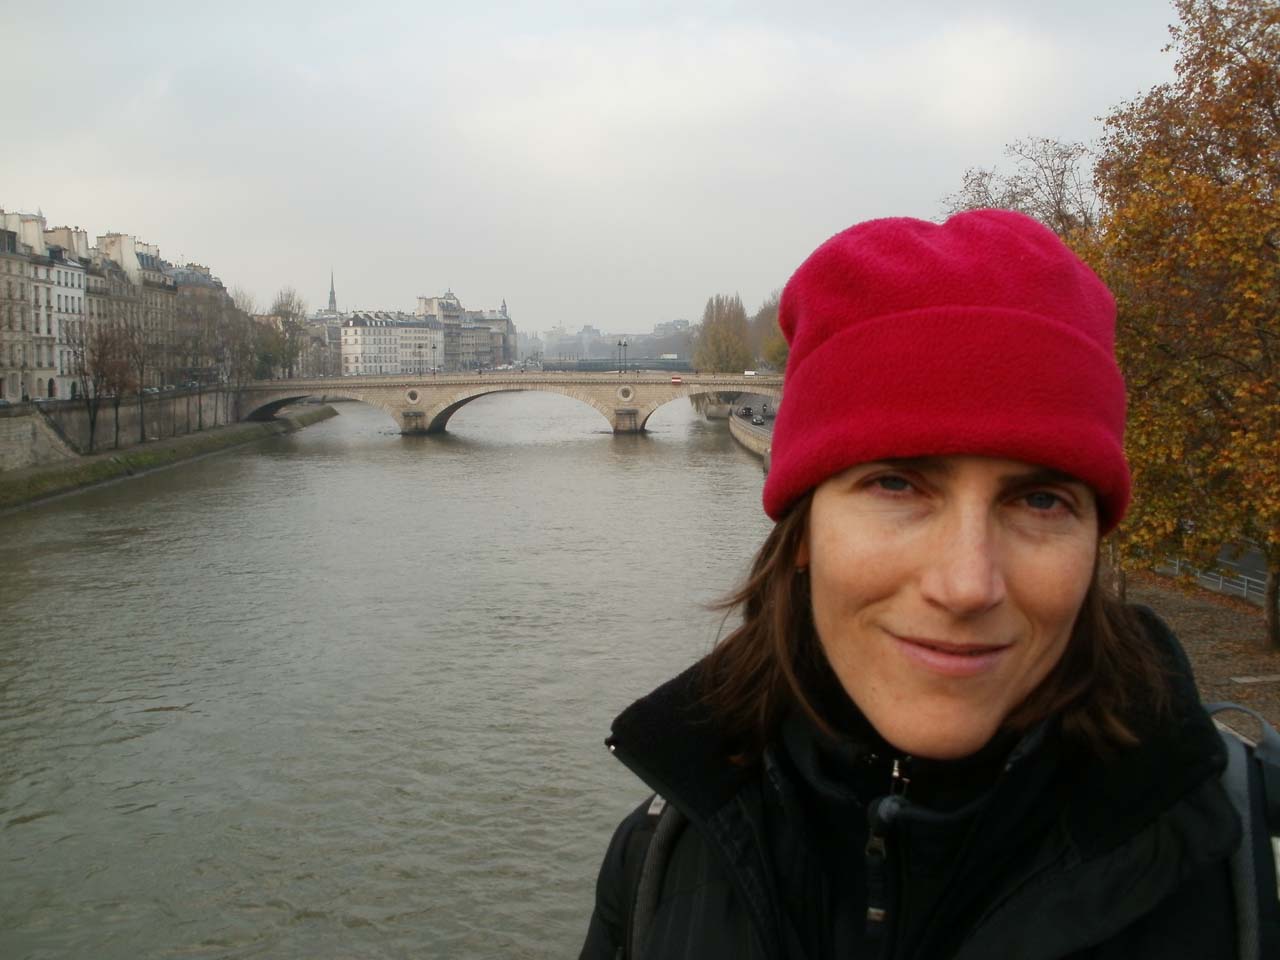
x,y
422,403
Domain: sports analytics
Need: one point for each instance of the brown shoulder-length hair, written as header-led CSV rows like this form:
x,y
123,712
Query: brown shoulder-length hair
x,y
1109,681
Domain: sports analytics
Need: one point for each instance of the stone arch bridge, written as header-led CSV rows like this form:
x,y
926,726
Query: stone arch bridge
x,y
424,403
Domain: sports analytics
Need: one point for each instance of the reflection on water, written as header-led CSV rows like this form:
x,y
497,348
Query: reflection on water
x,y
342,693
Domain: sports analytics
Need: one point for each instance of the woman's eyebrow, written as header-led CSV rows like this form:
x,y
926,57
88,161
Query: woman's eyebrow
x,y
943,465
1040,475
922,464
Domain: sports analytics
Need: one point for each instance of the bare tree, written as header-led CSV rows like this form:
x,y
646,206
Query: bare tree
x,y
142,350
198,329
238,343
1051,181
290,310
117,379
89,342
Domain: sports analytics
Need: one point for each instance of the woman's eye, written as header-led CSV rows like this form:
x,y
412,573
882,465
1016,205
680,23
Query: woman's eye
x,y
1043,500
894,484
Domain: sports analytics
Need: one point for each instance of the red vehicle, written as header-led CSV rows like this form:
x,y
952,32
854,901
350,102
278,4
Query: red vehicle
x,y
677,379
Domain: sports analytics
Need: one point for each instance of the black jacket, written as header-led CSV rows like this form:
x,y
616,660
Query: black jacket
x,y
1031,849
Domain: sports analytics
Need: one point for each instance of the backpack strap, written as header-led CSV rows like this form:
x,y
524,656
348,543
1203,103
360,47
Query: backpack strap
x,y
646,865
632,866
1252,781
1267,753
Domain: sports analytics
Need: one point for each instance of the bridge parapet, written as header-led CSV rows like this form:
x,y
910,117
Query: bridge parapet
x,y
424,403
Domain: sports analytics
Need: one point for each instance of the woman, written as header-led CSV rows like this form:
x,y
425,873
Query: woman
x,y
934,735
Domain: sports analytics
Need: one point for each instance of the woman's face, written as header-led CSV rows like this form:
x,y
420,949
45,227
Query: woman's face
x,y
945,589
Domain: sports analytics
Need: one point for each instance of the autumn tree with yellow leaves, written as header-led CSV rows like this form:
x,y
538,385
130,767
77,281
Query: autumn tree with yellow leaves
x,y
721,341
1189,241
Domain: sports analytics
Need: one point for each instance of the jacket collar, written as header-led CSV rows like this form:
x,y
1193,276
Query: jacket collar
x,y
671,740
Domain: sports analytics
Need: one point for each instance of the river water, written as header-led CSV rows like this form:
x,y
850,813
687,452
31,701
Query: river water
x,y
342,693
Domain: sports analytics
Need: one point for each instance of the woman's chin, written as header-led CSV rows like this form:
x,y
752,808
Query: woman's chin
x,y
939,741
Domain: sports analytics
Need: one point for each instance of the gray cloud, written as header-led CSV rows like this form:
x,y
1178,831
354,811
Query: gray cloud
x,y
615,167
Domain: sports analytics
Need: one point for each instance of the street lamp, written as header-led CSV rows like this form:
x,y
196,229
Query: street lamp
x,y
433,358
619,358
624,354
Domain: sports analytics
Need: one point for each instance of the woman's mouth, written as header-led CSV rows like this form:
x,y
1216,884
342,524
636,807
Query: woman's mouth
x,y
952,659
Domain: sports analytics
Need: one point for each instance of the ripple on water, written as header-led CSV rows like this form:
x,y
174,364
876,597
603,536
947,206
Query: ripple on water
x,y
343,693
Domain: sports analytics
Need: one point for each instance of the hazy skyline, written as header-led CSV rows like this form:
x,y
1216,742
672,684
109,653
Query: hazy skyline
x,y
614,166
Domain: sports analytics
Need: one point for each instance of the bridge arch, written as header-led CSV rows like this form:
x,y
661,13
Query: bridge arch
x,y
266,408
439,414
693,390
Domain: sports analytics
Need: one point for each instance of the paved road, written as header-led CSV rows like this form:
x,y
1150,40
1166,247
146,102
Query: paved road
x,y
1249,562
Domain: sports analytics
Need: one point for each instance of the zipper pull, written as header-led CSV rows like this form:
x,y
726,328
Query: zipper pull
x,y
898,779
880,815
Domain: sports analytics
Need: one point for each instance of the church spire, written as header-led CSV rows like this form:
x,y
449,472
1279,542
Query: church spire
x,y
333,300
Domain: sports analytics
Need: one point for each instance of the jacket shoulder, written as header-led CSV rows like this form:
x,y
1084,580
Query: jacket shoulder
x,y
699,913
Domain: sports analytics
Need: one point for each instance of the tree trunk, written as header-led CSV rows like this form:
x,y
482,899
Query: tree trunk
x,y
91,411
116,408
142,416
1272,601
1112,573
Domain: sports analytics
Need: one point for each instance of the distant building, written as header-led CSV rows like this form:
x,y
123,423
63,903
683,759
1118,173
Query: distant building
x,y
473,339
36,359
386,344
16,342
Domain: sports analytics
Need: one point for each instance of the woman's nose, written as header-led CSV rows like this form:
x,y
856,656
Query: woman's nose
x,y
963,572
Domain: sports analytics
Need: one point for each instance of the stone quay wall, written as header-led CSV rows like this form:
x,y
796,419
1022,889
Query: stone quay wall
x,y
27,439
756,439
25,428
38,482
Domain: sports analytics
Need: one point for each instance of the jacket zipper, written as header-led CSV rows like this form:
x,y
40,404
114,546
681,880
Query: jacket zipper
x,y
881,814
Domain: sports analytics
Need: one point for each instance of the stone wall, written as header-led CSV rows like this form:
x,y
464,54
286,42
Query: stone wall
x,y
19,487
756,439
168,414
26,440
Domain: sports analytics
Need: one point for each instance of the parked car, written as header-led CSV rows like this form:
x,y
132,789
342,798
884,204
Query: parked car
x,y
150,389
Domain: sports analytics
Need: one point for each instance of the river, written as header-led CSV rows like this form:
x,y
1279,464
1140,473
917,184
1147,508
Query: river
x,y
342,693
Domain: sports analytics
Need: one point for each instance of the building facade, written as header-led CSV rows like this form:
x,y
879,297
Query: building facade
x,y
15,316
441,336
385,343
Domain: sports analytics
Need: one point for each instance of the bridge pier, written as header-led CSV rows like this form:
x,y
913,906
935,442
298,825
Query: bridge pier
x,y
626,420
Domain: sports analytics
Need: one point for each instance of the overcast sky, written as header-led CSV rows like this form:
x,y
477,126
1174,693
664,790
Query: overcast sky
x,y
613,164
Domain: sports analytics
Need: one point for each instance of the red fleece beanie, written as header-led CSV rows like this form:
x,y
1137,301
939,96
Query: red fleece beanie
x,y
985,336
